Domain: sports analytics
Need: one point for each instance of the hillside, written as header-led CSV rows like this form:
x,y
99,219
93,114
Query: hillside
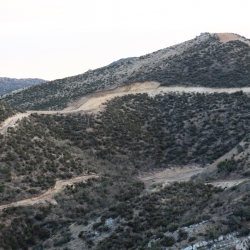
x,y
159,160
134,135
209,60
11,84
167,129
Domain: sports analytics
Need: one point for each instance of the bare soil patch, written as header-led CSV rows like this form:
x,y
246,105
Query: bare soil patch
x,y
171,175
226,37
95,101
227,183
11,121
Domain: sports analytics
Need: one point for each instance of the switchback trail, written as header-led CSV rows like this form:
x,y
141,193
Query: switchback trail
x,y
48,196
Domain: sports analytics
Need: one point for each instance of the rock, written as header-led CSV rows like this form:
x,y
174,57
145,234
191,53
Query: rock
x,y
220,238
188,248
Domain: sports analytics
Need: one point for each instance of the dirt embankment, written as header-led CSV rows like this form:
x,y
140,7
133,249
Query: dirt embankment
x,y
184,174
48,196
94,101
171,175
227,37
11,121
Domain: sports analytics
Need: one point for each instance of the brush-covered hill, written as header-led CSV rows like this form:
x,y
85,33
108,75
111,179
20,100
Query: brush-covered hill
x,y
209,60
134,134
11,84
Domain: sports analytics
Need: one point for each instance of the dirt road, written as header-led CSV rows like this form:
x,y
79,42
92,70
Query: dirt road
x,y
227,183
171,175
11,121
93,102
48,196
184,174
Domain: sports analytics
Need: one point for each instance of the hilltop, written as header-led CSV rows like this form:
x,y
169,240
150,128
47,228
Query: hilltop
x,y
209,60
11,84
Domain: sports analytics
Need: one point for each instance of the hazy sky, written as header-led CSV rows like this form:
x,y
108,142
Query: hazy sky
x,y
53,39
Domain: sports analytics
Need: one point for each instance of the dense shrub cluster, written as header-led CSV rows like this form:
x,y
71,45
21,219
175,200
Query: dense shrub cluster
x,y
150,217
23,227
31,161
209,64
227,166
154,132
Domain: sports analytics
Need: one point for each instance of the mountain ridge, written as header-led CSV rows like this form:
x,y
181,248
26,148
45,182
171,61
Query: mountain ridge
x,y
11,84
204,61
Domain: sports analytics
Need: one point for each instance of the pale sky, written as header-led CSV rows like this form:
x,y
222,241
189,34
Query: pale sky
x,y
53,39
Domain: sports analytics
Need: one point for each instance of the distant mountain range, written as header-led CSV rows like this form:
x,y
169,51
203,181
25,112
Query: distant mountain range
x,y
11,84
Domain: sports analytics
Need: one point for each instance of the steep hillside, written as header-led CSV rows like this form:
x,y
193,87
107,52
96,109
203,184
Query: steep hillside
x,y
208,60
134,134
11,84
156,131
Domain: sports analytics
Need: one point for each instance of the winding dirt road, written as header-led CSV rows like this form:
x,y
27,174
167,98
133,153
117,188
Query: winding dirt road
x,y
171,175
93,102
48,196
11,121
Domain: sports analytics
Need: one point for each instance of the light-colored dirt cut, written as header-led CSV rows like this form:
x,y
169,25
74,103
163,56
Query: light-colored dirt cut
x,y
227,183
226,37
48,196
11,121
171,175
93,103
